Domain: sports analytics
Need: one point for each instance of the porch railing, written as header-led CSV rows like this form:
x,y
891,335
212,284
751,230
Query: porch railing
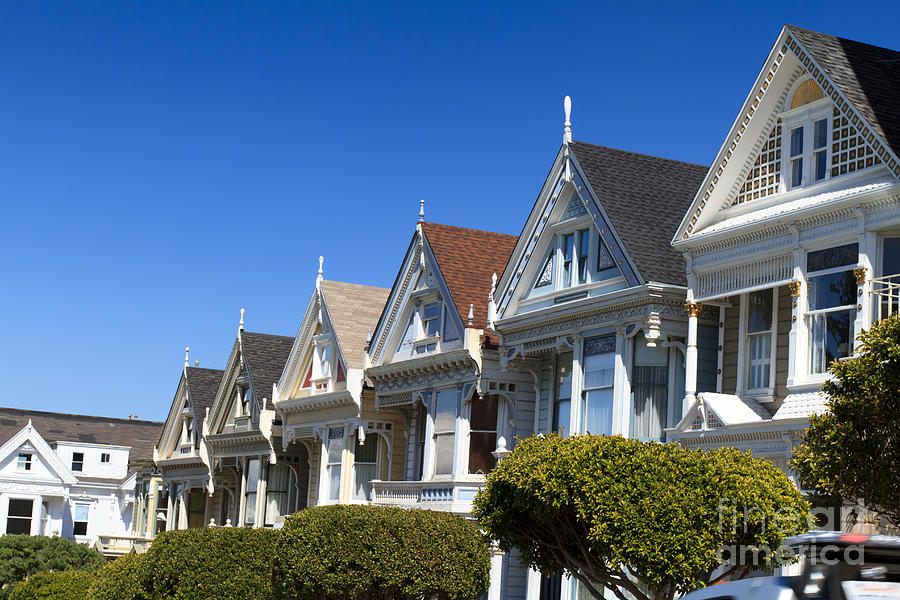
x,y
456,496
885,293
117,545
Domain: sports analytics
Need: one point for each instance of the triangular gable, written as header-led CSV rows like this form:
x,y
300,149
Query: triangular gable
x,y
747,166
196,391
29,435
171,430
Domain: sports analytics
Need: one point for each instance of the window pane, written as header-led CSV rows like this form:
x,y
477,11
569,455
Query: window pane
x,y
797,141
584,243
252,475
830,338
368,452
890,264
760,360
443,458
250,517
564,376
20,508
597,417
81,512
334,482
481,445
796,172
820,132
829,291
759,315
830,258
599,370
821,165
561,411
567,248
79,528
650,390
432,318
365,473
445,411
484,413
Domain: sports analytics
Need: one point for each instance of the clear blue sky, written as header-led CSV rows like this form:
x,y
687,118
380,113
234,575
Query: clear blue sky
x,y
163,164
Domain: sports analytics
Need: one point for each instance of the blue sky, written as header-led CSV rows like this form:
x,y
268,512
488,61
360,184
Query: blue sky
x,y
163,164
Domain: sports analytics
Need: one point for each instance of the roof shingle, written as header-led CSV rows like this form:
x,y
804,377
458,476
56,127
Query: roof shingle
x,y
354,310
265,355
204,383
467,259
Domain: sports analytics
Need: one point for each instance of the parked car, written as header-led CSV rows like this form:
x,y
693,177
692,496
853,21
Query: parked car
x,y
835,566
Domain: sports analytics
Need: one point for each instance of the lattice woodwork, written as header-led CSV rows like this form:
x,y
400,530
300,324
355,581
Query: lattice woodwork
x,y
849,150
765,175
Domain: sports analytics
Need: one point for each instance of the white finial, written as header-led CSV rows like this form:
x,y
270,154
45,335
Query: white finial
x,y
471,314
196,362
493,284
421,210
186,360
567,132
241,324
319,275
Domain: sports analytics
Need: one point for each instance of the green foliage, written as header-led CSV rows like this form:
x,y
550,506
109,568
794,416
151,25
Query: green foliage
x,y
853,450
120,579
198,564
24,555
598,506
56,585
354,552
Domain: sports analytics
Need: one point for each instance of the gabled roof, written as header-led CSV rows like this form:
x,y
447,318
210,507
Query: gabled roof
x,y
467,258
868,75
645,198
29,434
265,356
204,383
354,310
61,427
803,405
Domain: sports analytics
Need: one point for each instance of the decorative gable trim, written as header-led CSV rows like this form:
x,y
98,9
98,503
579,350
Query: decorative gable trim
x,y
785,44
399,293
166,444
301,343
30,435
223,395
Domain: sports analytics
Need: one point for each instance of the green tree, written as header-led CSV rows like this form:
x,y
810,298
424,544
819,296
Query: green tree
x,y
368,552
24,555
55,585
853,450
653,520
122,579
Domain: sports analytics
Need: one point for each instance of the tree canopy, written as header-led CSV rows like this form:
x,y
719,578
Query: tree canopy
x,y
640,517
24,555
853,450
354,552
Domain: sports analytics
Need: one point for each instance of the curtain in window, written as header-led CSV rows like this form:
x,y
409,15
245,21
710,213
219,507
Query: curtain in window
x,y
650,388
278,488
252,484
365,466
599,379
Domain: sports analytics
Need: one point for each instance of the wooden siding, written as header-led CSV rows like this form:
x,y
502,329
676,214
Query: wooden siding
x,y
515,575
545,418
731,345
314,473
782,347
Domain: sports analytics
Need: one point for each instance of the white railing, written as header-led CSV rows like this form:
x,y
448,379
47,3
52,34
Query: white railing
x,y
885,293
456,496
116,545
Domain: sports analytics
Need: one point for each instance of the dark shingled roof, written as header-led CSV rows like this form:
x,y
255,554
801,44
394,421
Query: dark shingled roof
x,y
645,197
868,75
204,383
60,427
467,259
265,356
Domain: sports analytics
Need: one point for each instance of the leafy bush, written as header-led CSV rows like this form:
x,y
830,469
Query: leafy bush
x,y
643,517
353,552
853,450
120,579
24,555
56,585
199,564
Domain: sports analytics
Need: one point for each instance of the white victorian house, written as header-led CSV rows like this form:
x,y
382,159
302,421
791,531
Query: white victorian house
x,y
793,240
70,475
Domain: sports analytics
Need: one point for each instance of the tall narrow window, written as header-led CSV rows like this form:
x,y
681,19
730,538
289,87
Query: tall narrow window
x,y
584,248
253,472
650,390
444,430
421,419
599,370
80,521
759,339
196,509
365,465
279,496
832,305
796,157
820,149
77,461
432,318
483,434
563,405
18,517
568,243
335,456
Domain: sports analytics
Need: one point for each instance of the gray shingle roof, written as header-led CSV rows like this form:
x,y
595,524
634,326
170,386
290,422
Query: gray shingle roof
x,y
203,383
354,310
61,427
265,356
868,75
645,197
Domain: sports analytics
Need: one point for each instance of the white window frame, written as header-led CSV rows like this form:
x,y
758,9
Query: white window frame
x,y
371,438
105,457
424,341
81,469
435,433
24,461
767,393
86,521
808,312
328,465
805,116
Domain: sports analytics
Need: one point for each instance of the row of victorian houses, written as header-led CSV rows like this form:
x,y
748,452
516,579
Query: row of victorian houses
x,y
643,297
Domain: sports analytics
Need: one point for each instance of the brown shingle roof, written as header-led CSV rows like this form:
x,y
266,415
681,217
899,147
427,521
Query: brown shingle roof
x,y
868,75
354,310
467,258
61,427
265,356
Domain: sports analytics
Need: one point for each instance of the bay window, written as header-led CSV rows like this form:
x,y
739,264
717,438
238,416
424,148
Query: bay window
x,y
832,305
334,457
280,493
483,433
599,370
444,430
18,516
760,337
650,390
562,408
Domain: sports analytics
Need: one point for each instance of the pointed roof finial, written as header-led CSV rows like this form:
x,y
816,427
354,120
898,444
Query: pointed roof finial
x,y
241,324
567,132
471,314
196,363
421,210
319,275
186,359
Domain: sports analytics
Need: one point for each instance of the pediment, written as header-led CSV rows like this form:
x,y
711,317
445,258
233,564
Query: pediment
x,y
47,465
755,167
175,420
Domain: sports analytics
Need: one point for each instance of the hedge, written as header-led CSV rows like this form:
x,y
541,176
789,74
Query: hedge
x,y
120,579
352,552
199,564
24,555
55,585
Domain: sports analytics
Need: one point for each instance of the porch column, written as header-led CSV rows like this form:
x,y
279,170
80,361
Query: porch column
x,y
865,312
242,505
690,355
261,492
170,507
576,402
428,454
36,521
619,379
494,591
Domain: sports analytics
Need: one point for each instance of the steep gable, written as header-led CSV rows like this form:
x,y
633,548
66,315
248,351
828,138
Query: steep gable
x,y
264,357
353,310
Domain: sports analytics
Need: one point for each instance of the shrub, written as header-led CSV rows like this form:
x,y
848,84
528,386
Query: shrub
x,y
350,552
55,585
24,555
120,579
200,564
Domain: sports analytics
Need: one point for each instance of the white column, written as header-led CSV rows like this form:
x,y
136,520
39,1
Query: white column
x,y
36,516
868,254
428,455
576,403
261,493
242,504
460,437
533,585
170,508
690,358
619,377
496,575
